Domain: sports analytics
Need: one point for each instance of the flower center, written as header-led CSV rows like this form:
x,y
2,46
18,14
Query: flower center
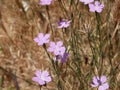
x,y
99,82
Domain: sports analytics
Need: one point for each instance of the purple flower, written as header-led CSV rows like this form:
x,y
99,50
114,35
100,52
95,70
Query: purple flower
x,y
86,1
42,77
41,39
61,58
100,82
45,2
96,7
56,48
63,24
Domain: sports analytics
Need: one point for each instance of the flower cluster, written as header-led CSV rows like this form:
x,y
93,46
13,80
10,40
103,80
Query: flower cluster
x,y
59,51
93,6
57,48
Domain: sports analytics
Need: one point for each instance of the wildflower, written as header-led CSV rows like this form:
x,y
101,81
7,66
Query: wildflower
x,y
61,58
86,1
42,77
56,48
100,82
45,2
96,7
42,39
63,24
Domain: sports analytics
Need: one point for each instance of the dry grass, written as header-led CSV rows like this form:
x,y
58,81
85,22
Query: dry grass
x,y
20,55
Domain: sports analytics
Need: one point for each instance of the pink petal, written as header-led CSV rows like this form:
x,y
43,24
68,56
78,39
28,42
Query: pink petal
x,y
91,8
94,85
103,86
97,3
91,0
47,36
66,25
45,76
81,0
38,73
62,50
99,10
56,52
106,85
101,5
103,79
63,24
59,43
41,82
40,35
45,2
60,26
36,79
46,41
48,79
36,39
44,73
50,49
95,82
86,1
40,43
52,44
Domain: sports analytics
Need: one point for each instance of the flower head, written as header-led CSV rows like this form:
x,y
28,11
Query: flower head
x,y
56,48
42,77
100,82
41,39
96,7
63,24
86,1
61,58
45,2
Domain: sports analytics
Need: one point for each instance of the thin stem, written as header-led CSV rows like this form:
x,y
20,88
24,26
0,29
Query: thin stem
x,y
47,9
55,68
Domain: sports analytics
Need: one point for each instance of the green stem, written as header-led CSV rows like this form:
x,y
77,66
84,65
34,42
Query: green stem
x,y
47,9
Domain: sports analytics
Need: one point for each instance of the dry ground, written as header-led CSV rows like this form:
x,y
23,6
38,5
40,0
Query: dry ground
x,y
20,55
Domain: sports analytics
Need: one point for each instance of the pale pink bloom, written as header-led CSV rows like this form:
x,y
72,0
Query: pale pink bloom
x,y
56,48
96,7
45,2
86,1
42,39
42,77
100,82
